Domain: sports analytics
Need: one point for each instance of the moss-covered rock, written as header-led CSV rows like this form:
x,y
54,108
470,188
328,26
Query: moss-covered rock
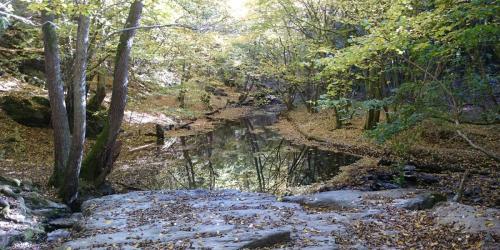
x,y
35,112
95,122
32,112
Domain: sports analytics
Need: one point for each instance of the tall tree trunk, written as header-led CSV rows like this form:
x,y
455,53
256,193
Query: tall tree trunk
x,y
374,92
100,160
338,120
55,86
69,189
96,101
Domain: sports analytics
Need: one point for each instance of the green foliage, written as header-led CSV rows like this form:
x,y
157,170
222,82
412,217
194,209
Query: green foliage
x,y
404,121
343,106
261,96
376,104
181,97
205,99
400,177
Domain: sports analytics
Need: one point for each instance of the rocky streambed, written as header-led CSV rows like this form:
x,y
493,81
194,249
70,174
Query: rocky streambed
x,y
29,220
230,219
227,219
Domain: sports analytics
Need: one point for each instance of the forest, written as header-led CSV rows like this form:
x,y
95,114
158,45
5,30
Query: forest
x,y
249,124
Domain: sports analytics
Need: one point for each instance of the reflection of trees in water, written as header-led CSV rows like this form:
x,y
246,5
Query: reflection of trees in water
x,y
245,158
254,145
189,164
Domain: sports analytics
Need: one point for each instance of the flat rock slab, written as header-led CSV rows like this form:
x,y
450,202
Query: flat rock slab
x,y
468,218
351,199
201,219
341,199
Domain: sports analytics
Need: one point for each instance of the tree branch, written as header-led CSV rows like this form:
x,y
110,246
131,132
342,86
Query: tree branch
x,y
477,147
19,18
170,25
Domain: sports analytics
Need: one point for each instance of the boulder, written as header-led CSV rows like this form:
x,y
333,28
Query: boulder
x,y
32,112
36,201
35,112
6,190
426,178
95,123
10,181
4,204
421,201
8,237
65,222
58,235
268,239
215,91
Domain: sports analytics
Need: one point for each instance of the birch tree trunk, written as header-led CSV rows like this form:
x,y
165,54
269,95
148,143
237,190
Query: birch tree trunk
x,y
55,87
69,189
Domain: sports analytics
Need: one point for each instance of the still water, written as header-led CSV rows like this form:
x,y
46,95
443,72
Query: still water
x,y
245,155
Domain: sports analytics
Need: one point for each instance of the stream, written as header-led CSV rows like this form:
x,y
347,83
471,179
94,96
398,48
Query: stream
x,y
245,155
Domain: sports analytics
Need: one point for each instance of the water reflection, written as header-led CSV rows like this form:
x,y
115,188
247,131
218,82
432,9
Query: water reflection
x,y
245,155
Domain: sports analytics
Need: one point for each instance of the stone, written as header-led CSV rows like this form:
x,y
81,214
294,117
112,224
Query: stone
x,y
21,206
468,218
95,123
4,204
6,190
421,201
400,193
8,237
36,201
472,191
65,222
269,239
215,91
382,185
58,235
10,181
427,178
338,199
32,112
409,168
200,219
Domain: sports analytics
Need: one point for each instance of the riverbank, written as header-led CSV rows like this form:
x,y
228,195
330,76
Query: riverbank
x,y
436,153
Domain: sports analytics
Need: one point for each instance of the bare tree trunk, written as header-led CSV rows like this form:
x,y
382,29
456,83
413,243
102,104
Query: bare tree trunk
x,y
96,101
100,160
69,189
160,135
374,92
55,85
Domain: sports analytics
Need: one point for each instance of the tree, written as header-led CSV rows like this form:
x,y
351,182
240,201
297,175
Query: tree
x,y
100,159
68,147
55,87
69,189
